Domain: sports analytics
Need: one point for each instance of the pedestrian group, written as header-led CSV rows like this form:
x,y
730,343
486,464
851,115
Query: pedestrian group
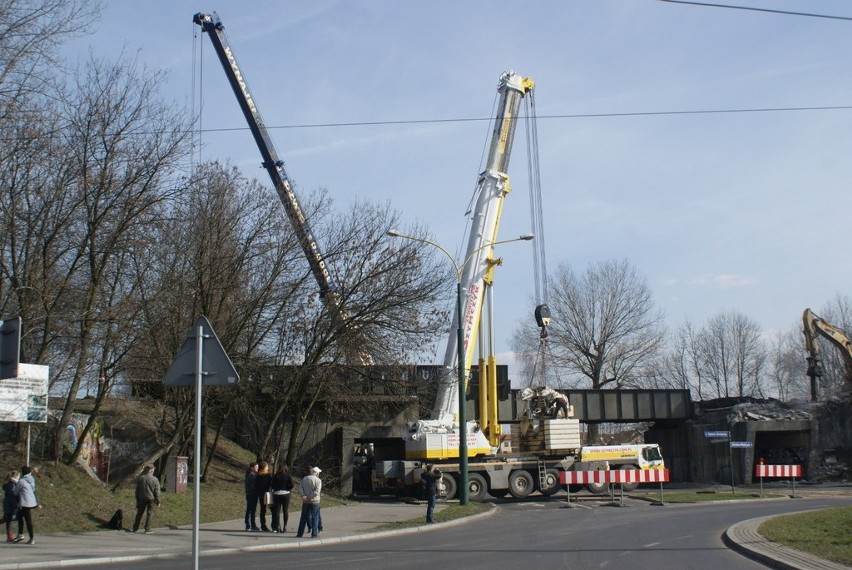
x,y
272,493
19,499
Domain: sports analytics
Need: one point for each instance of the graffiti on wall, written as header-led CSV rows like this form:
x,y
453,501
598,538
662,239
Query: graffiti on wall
x,y
92,454
97,451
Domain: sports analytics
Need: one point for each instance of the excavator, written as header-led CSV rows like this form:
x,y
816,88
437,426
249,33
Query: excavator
x,y
813,327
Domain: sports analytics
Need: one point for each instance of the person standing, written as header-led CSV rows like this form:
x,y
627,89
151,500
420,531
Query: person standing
x,y
261,486
10,502
147,496
282,484
311,490
251,497
25,490
430,479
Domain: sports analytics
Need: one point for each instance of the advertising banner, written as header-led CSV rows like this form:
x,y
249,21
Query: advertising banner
x,y
24,398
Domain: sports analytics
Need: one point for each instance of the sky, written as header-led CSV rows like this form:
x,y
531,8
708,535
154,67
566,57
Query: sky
x,y
659,137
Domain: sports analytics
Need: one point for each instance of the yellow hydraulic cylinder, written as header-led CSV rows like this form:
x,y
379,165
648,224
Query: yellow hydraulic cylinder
x,y
483,396
494,425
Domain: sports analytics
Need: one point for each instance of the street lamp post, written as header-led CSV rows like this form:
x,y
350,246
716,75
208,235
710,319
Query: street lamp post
x,y
460,353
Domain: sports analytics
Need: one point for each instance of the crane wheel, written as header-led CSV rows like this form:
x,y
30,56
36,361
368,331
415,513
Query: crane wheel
x,y
477,488
628,487
521,484
450,487
551,483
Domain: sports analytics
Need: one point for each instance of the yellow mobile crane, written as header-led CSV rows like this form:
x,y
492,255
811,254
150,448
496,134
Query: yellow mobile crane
x,y
545,446
438,437
813,326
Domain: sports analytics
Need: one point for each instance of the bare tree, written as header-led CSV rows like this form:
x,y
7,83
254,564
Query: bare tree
x,y
604,324
680,367
605,331
31,32
74,206
733,355
786,366
389,294
223,252
123,146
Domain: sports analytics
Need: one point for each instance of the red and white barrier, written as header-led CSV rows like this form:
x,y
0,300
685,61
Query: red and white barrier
x,y
614,476
778,471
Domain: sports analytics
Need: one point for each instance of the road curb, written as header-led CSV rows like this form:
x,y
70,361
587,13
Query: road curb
x,y
745,539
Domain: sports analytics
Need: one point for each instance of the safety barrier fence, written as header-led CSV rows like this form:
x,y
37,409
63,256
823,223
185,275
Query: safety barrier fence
x,y
778,471
614,477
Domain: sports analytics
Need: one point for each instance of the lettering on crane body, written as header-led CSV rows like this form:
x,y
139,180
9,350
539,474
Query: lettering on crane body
x,y
294,204
609,452
470,312
232,61
504,131
453,440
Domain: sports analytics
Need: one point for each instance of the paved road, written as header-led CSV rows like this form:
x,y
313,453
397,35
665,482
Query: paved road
x,y
519,534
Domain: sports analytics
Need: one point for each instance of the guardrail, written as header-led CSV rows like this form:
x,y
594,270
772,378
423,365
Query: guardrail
x,y
778,471
615,477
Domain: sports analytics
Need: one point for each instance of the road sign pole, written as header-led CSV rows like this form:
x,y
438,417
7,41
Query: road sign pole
x,y
196,507
195,366
731,456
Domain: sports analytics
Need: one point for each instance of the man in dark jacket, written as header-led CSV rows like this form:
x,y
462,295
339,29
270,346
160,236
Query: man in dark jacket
x,y
430,479
147,496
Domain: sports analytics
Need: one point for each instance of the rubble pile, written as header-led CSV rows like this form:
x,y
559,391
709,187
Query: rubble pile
x,y
766,410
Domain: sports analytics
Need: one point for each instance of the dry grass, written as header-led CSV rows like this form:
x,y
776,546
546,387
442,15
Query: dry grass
x,y
824,533
696,497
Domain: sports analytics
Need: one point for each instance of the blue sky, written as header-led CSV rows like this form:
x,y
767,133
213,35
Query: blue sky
x,y
720,211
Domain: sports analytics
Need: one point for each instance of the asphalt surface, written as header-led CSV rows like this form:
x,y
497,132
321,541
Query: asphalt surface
x,y
344,523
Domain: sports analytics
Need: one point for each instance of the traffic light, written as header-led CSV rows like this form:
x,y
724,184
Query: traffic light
x,y
10,347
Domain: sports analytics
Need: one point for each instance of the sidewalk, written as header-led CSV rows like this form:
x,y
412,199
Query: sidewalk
x,y
343,523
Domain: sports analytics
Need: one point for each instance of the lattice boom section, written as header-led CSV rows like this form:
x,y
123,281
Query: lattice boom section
x,y
778,471
614,476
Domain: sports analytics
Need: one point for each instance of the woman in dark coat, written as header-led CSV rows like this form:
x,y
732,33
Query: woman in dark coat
x,y
282,484
262,484
10,503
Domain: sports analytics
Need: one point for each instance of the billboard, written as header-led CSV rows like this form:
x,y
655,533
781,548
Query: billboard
x,y
24,398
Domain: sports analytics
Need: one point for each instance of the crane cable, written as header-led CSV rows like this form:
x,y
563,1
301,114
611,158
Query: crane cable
x,y
539,365
196,84
536,209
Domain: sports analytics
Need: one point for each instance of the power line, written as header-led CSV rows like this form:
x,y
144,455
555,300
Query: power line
x,y
566,116
754,9
481,119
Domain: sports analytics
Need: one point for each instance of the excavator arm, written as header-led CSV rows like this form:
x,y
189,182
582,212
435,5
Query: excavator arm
x,y
813,326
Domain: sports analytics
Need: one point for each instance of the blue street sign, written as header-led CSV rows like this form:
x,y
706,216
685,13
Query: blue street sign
x,y
717,434
741,444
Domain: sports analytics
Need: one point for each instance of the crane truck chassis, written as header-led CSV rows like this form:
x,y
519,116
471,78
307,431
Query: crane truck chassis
x,y
541,450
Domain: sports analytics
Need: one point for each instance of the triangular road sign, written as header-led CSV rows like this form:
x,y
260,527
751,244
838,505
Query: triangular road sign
x,y
216,367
